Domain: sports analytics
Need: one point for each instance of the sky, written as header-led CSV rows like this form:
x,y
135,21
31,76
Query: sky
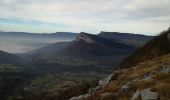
x,y
45,16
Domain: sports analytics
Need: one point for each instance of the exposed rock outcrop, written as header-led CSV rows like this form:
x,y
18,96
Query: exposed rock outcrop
x,y
84,37
147,94
135,95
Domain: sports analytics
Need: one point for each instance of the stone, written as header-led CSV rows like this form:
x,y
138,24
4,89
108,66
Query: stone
x,y
126,87
84,37
106,80
147,94
135,95
81,97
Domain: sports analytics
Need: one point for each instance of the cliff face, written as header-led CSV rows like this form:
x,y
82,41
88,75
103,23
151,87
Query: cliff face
x,y
84,37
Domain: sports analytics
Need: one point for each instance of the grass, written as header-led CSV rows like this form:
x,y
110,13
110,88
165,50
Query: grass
x,y
162,85
160,82
143,84
51,82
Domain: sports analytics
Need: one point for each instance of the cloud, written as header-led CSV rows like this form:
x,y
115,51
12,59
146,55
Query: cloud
x,y
88,15
148,8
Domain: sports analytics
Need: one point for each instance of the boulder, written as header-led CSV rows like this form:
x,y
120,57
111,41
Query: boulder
x,y
81,97
106,80
126,88
147,94
135,95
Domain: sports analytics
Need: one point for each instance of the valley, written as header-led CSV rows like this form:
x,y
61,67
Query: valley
x,y
61,65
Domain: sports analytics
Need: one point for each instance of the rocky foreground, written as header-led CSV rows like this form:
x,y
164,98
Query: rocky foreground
x,y
146,81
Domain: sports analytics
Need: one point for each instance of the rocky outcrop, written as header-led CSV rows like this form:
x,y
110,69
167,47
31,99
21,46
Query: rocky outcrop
x,y
127,89
135,95
81,97
84,37
164,68
147,94
102,83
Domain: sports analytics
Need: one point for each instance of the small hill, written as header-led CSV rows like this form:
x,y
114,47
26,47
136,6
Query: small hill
x,y
7,58
158,46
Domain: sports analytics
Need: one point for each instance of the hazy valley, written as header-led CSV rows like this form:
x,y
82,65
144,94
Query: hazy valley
x,y
79,61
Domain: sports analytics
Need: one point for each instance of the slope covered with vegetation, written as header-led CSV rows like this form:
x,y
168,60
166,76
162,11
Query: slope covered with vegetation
x,y
146,78
158,46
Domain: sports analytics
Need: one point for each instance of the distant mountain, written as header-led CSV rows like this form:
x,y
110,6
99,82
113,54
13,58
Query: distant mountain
x,y
87,49
88,45
127,38
158,46
19,42
108,45
63,35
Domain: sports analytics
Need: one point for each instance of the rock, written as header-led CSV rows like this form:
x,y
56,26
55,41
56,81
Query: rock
x,y
106,80
84,37
166,69
126,88
147,94
146,77
109,96
81,97
135,95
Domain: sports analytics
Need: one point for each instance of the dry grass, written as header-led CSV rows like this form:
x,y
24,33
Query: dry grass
x,y
124,98
140,70
163,89
143,84
162,85
162,77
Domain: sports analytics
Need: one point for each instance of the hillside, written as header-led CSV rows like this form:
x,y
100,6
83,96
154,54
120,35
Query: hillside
x,y
148,80
145,79
127,38
156,47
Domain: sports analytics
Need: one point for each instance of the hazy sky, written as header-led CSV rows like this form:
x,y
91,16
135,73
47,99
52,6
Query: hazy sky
x,y
137,16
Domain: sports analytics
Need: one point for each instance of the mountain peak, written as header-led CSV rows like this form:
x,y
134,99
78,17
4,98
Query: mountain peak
x,y
85,37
